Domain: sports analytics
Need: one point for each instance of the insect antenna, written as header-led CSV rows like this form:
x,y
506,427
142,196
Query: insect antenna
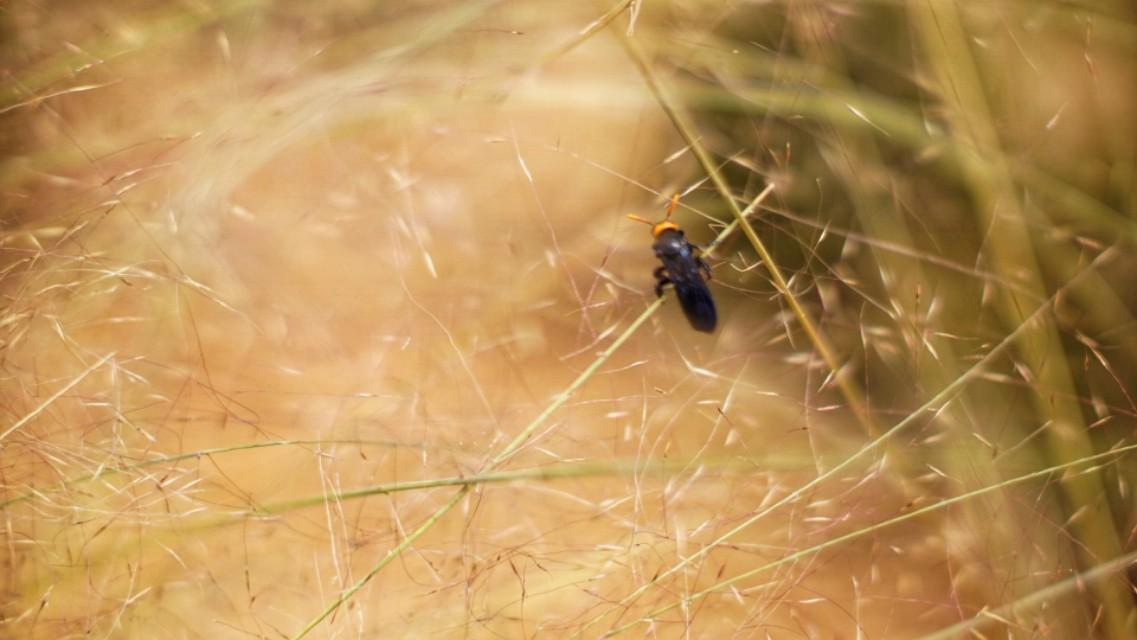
x,y
671,207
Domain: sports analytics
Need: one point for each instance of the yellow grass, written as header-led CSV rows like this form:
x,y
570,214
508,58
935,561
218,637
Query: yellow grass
x,y
326,321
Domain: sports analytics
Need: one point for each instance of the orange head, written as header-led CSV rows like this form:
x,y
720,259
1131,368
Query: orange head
x,y
659,227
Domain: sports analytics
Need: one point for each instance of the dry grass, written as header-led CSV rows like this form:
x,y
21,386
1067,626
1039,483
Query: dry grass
x,y
326,321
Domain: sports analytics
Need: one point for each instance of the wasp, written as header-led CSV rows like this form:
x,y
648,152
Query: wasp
x,y
684,268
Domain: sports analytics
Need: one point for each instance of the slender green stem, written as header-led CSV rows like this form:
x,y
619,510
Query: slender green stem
x,y
928,408
860,533
110,471
563,396
501,456
746,213
584,34
391,555
55,396
550,472
941,30
1044,596
689,134
519,439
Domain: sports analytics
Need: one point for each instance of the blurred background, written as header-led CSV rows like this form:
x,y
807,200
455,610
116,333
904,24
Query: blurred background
x,y
284,283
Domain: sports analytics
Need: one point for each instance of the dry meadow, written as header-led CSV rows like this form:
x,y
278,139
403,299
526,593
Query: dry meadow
x,y
325,319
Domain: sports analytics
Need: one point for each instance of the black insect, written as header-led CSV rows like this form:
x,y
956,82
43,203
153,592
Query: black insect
x,y
683,268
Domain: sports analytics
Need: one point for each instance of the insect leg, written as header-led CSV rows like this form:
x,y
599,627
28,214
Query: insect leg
x,y
663,280
704,266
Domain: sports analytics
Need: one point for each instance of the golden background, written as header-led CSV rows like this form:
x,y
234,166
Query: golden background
x,y
332,308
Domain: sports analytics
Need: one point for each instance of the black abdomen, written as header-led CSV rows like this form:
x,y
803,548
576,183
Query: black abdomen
x,y
683,266
698,306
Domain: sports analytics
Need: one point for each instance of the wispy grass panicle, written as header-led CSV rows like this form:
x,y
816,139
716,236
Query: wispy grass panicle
x,y
326,320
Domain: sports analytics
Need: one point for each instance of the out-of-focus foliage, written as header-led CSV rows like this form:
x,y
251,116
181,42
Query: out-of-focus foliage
x,y
283,282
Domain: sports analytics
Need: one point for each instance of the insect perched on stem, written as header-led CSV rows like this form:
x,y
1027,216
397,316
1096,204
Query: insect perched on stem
x,y
683,268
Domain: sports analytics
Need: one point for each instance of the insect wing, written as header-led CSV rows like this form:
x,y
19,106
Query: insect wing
x,y
682,267
698,306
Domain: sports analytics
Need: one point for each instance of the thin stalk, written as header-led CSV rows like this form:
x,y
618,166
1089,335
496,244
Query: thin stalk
x,y
550,472
940,31
563,396
509,448
501,456
746,213
391,555
584,34
110,471
874,528
28,417
1043,597
853,153
687,131
930,407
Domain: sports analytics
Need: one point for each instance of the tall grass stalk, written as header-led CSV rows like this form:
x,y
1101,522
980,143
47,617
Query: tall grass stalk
x,y
512,446
934,406
939,28
1097,572
915,419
